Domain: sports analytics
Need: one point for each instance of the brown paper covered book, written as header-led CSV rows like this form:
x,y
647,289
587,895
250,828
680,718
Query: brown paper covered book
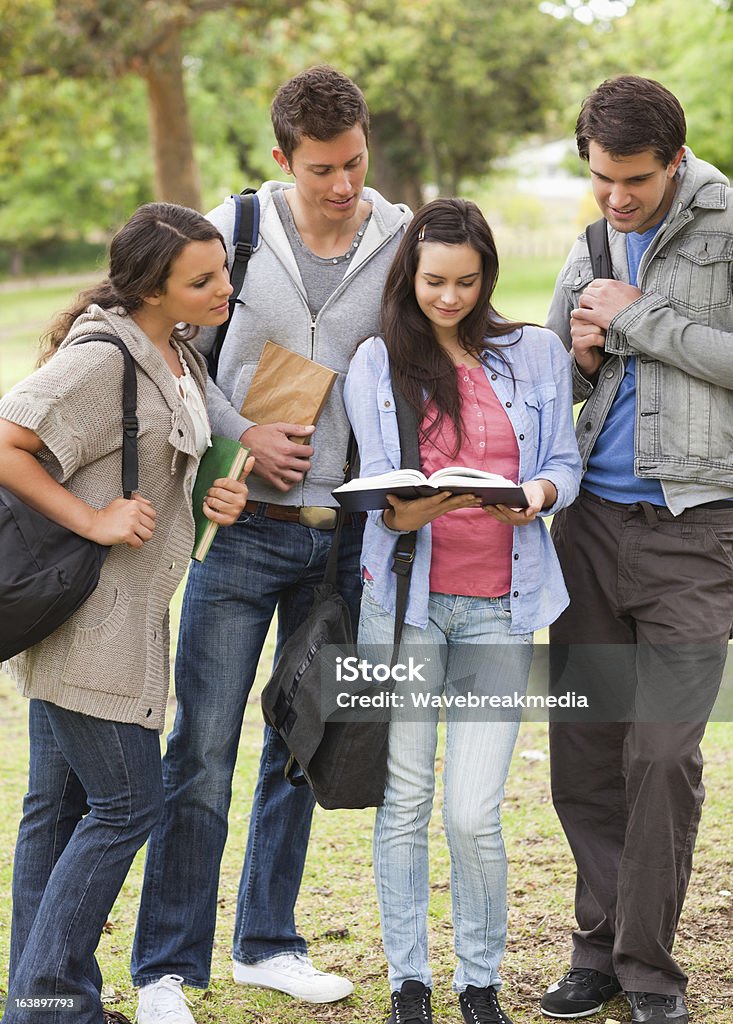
x,y
287,388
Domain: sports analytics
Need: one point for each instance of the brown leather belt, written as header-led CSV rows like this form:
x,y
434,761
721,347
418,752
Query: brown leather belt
x,y
317,517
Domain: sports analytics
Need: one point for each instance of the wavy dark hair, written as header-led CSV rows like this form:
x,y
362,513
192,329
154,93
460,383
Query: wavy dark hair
x,y
319,103
421,369
140,259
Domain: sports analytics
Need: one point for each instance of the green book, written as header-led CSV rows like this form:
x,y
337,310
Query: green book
x,y
225,458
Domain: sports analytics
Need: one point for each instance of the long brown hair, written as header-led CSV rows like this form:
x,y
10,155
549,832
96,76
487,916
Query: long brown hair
x,y
140,259
421,369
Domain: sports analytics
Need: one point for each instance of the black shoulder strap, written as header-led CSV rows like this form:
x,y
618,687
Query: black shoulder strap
x,y
244,238
330,575
130,465
596,236
404,553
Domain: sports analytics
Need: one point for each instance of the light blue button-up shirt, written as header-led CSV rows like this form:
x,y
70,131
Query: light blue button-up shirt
x,y
538,403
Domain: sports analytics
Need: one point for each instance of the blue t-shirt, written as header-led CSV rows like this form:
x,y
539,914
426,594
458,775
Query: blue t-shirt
x,y
610,472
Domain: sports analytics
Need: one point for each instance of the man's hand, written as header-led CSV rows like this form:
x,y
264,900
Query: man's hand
x,y
588,342
602,300
278,460
416,512
226,498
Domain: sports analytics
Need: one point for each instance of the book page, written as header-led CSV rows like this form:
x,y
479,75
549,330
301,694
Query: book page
x,y
460,475
395,478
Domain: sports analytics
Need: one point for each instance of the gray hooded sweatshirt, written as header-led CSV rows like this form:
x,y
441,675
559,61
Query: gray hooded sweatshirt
x,y
272,305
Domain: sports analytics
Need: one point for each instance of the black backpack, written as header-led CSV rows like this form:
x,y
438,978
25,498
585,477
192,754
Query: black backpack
x,y
245,234
47,571
343,761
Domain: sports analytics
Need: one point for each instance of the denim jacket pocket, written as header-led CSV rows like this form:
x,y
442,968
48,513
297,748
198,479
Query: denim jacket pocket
x,y
701,276
576,279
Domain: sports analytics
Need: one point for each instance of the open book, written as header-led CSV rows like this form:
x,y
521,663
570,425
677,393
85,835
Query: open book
x,y
370,492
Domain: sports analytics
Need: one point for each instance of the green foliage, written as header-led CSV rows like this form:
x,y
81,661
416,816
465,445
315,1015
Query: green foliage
x,y
451,86
73,162
687,47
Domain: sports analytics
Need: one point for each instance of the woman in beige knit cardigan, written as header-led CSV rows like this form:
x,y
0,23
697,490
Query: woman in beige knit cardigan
x,y
98,684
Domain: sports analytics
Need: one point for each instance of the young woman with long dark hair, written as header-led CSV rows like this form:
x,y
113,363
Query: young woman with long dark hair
x,y
494,395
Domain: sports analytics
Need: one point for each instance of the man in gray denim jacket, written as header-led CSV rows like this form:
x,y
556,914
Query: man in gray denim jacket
x,y
647,548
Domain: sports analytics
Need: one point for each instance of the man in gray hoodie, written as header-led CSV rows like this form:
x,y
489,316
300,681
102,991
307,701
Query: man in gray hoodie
x,y
647,548
313,285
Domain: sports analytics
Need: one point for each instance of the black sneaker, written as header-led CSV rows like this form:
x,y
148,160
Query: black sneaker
x,y
579,993
481,1006
650,1008
411,1005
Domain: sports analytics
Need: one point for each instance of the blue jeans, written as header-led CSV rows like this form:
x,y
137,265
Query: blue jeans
x,y
477,756
253,568
94,794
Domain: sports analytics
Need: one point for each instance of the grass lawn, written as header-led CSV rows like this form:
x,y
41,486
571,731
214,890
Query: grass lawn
x,y
337,911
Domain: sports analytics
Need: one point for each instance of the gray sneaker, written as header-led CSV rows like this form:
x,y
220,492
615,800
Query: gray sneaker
x,y
651,1008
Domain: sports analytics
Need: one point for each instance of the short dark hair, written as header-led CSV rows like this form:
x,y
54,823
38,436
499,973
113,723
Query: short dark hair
x,y
319,103
628,114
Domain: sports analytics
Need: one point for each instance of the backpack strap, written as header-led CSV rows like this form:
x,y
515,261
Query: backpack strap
x,y
245,235
130,464
404,552
596,236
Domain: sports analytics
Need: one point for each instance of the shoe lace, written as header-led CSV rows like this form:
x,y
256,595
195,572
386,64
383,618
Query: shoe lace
x,y
166,997
297,964
581,976
411,1006
484,1005
656,999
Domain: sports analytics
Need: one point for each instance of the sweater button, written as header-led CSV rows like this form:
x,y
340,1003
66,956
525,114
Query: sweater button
x,y
589,426
387,404
516,558
493,376
508,405
515,593
521,437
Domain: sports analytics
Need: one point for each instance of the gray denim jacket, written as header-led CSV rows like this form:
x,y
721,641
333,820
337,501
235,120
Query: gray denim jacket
x,y
681,330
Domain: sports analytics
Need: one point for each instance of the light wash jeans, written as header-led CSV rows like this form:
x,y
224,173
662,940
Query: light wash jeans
x,y
478,751
94,793
253,568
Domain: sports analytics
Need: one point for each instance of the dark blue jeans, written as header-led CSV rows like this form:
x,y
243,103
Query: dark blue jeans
x,y
253,568
94,793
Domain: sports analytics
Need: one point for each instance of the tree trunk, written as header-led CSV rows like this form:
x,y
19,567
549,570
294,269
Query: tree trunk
x,y
176,173
393,161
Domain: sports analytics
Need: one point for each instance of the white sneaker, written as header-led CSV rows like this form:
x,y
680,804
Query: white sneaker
x,y
294,974
163,1002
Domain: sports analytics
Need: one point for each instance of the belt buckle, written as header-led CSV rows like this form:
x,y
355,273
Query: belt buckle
x,y
317,517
